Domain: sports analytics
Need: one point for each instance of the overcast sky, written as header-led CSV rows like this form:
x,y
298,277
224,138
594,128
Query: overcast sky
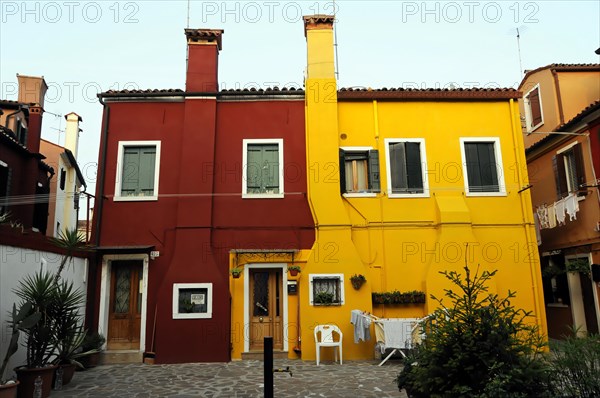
x,y
83,47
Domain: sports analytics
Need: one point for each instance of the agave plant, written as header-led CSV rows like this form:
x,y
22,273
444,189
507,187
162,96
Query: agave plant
x,y
24,319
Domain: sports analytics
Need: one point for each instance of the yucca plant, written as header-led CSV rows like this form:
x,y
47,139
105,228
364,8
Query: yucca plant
x,y
39,290
68,332
71,241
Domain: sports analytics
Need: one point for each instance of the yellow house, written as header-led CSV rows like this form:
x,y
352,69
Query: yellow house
x,y
403,184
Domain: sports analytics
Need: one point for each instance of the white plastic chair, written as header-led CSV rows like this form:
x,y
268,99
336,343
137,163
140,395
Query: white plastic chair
x,y
327,340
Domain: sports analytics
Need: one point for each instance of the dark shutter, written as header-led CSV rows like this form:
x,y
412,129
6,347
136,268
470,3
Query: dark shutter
x,y
342,171
63,175
374,183
473,171
413,167
536,108
560,178
398,173
579,167
489,172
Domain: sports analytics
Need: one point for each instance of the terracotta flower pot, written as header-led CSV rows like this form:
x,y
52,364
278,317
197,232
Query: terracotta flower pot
x,y
68,372
357,283
294,272
27,378
9,390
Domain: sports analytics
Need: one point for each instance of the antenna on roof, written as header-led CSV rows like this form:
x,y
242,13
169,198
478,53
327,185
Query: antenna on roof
x,y
519,49
188,14
335,43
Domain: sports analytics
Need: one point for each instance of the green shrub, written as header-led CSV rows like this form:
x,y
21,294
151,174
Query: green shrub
x,y
478,346
575,364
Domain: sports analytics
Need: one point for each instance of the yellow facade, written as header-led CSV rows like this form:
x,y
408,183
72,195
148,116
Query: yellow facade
x,y
402,243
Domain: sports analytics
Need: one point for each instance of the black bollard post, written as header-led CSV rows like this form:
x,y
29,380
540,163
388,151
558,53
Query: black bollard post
x,y
268,354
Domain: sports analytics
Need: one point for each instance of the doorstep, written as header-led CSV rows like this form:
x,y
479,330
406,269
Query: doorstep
x,y
120,356
259,355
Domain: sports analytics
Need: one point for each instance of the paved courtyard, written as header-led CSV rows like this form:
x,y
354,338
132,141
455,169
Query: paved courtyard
x,y
239,379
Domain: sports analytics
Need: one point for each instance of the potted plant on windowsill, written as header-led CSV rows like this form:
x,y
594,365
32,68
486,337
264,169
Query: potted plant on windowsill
x,y
324,298
21,320
236,272
357,280
294,270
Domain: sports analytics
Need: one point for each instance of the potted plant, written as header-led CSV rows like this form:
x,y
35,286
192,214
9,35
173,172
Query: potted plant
x,y
22,319
357,280
92,345
324,298
236,272
40,291
294,269
68,330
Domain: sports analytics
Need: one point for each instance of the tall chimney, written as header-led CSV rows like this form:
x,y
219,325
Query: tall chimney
x,y
32,89
318,30
203,60
72,131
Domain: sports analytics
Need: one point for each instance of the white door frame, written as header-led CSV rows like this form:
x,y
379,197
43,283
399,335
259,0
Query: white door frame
x,y
104,309
576,296
247,268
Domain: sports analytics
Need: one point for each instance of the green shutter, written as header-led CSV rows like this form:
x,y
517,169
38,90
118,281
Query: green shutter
x,y
270,176
147,166
342,171
138,171
374,183
262,169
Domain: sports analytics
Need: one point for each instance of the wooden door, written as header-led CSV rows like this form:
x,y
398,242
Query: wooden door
x,y
125,305
266,308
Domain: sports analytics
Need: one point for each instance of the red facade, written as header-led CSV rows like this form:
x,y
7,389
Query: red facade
x,y
199,214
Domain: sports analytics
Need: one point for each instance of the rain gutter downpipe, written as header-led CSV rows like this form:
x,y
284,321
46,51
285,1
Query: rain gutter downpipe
x,y
100,197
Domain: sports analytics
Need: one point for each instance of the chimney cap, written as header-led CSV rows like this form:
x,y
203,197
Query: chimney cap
x,y
318,20
205,35
73,113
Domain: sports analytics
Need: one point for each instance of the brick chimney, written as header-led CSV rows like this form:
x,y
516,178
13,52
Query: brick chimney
x,y
72,131
203,60
318,30
32,91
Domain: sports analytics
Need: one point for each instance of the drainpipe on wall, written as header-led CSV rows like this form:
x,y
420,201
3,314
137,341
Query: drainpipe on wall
x,y
100,197
561,114
520,155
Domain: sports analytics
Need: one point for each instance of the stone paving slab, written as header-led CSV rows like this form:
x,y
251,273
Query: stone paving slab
x,y
239,379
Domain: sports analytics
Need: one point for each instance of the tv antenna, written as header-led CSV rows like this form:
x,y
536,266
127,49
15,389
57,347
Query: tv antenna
x,y
520,29
188,14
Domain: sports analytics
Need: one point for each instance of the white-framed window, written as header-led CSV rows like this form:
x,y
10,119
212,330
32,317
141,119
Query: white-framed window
x,y
192,300
359,171
534,116
138,165
569,171
326,289
482,166
262,174
406,167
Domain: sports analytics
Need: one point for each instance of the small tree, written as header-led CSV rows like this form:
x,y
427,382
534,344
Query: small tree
x,y
478,346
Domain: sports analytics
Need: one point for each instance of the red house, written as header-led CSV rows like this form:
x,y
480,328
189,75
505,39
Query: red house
x,y
185,179
24,176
